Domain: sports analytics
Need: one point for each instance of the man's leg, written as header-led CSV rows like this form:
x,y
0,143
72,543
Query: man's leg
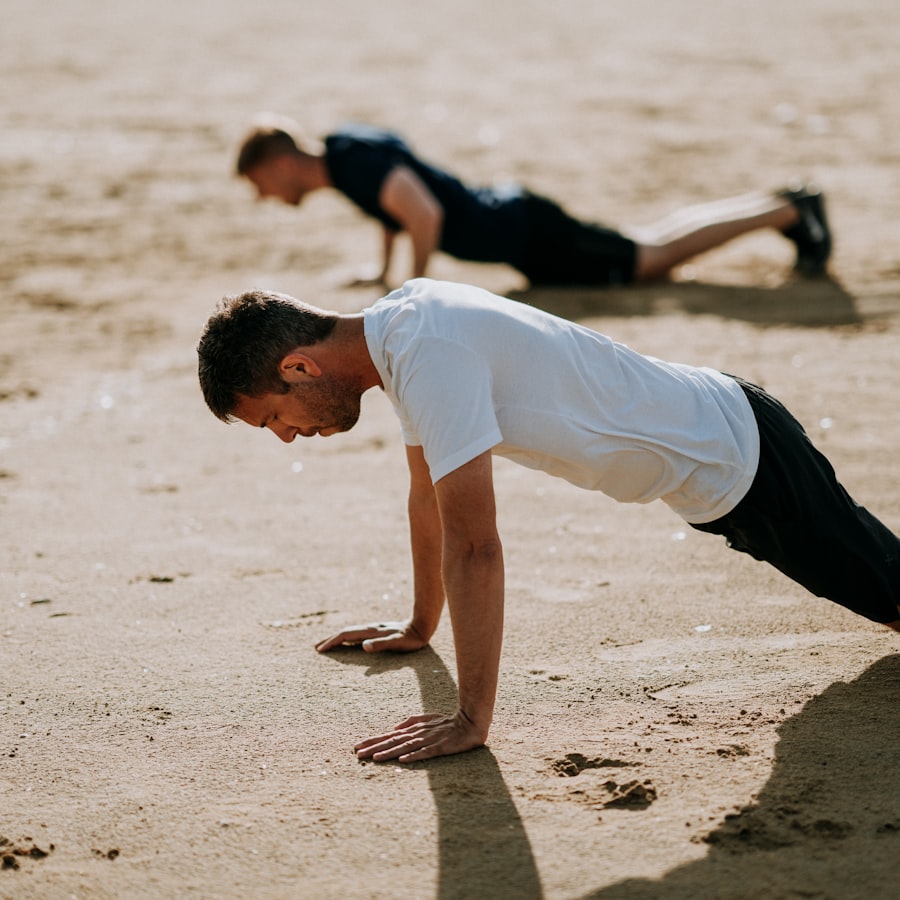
x,y
699,228
799,518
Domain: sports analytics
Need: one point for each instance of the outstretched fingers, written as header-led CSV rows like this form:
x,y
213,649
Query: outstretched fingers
x,y
421,737
399,636
355,634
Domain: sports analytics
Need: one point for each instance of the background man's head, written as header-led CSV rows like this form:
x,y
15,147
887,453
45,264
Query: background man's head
x,y
268,157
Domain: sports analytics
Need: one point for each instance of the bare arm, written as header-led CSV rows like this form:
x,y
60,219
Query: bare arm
x,y
472,574
428,590
387,253
473,579
426,538
406,198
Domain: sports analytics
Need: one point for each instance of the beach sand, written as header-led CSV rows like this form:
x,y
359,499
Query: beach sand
x,y
673,719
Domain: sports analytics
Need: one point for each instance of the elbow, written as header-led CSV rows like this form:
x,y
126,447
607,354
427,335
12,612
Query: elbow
x,y
438,219
433,224
473,568
471,544
482,552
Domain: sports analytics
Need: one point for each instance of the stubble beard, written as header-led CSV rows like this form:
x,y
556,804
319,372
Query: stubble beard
x,y
334,403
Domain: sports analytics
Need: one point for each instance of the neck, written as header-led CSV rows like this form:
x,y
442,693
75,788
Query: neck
x,y
349,340
312,171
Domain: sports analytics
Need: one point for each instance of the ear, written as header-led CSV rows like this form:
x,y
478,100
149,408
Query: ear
x,y
297,367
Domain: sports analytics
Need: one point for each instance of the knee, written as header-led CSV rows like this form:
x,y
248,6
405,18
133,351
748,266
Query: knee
x,y
652,263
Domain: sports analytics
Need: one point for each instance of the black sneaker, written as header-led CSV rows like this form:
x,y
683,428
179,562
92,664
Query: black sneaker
x,y
811,233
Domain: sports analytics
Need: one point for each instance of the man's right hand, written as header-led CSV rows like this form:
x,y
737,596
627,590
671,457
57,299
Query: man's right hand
x,y
401,637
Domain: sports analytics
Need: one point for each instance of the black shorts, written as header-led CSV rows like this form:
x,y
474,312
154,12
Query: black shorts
x,y
560,249
799,518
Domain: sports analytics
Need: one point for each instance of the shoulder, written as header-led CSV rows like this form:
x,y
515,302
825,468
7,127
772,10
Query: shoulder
x,y
353,135
412,313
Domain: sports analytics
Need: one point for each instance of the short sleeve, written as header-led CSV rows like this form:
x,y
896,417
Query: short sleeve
x,y
446,405
358,170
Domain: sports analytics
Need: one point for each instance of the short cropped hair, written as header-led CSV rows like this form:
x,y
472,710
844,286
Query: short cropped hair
x,y
245,340
261,145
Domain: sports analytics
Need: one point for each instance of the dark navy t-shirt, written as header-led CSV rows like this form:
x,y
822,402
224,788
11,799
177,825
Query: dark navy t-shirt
x,y
485,224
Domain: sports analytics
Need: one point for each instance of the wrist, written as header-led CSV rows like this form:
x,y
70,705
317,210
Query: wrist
x,y
477,720
419,631
422,629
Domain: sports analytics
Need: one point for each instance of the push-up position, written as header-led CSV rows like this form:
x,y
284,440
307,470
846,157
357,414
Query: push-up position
x,y
471,374
378,172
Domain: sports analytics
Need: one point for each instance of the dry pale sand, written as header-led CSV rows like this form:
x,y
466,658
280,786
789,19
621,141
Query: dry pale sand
x,y
674,720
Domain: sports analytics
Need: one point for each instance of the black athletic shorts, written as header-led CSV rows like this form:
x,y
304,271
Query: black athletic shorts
x,y
560,249
797,517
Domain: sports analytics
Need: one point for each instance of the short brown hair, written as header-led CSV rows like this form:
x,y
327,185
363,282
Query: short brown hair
x,y
262,144
244,341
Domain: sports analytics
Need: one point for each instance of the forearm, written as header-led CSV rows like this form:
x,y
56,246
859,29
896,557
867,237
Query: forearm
x,y
387,252
455,544
409,201
474,583
428,586
424,243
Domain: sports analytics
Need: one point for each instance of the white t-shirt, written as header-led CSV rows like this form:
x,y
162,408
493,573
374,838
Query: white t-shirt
x,y
468,371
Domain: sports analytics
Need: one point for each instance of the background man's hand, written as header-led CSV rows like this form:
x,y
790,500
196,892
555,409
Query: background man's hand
x,y
424,737
400,637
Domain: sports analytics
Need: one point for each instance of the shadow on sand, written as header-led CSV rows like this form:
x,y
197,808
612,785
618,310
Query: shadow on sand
x,y
819,301
483,850
827,822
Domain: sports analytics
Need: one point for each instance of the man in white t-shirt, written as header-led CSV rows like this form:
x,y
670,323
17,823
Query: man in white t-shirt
x,y
471,374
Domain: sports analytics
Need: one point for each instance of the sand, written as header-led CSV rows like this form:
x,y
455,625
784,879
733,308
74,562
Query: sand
x,y
673,720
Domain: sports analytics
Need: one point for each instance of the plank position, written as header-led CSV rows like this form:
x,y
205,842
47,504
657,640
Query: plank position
x,y
471,374
377,171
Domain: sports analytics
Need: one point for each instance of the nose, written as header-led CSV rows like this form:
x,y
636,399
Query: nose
x,y
283,432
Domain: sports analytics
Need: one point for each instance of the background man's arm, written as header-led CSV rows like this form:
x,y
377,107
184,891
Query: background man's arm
x,y
406,198
387,253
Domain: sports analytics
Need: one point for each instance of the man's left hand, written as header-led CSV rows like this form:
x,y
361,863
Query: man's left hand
x,y
423,737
